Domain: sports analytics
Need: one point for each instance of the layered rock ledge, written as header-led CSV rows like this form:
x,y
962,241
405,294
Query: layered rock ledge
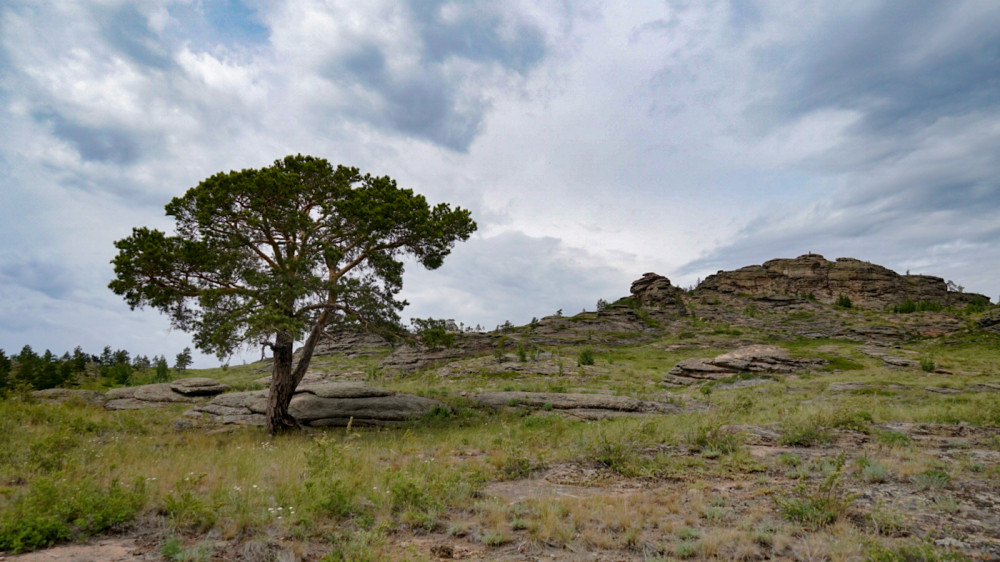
x,y
321,404
749,359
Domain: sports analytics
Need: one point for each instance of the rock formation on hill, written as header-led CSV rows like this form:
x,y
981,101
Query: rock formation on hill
x,y
656,291
867,285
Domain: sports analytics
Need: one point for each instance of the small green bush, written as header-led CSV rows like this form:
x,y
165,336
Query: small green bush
x,y
927,364
586,357
53,510
843,301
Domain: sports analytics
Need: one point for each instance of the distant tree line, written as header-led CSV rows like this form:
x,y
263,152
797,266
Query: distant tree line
x,y
28,370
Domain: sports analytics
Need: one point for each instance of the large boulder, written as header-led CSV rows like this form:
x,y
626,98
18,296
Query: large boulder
x,y
867,285
161,394
322,404
749,359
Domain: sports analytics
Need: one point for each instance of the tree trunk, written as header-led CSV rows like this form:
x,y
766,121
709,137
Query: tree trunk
x,y
283,385
284,381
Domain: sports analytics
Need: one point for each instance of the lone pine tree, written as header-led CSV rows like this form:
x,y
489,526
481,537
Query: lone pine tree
x,y
276,255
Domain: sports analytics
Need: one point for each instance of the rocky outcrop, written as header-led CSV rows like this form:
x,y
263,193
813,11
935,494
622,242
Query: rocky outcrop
x,y
991,321
587,406
867,285
656,291
349,342
749,359
162,394
321,404
411,358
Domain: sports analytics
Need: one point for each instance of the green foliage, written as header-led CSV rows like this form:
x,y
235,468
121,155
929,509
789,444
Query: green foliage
x,y
843,301
53,510
978,304
908,307
5,367
893,439
183,360
162,370
586,357
522,355
927,364
281,248
433,332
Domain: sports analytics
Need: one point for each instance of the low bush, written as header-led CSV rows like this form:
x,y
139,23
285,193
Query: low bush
x,y
53,510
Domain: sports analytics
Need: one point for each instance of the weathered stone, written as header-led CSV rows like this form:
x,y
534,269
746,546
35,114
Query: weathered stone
x,y
131,404
322,404
569,401
198,386
749,359
867,285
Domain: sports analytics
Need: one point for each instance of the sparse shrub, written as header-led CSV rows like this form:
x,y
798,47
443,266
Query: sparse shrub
x,y
893,439
687,549
522,355
586,357
875,472
804,435
433,332
886,522
931,479
977,305
843,301
822,506
927,364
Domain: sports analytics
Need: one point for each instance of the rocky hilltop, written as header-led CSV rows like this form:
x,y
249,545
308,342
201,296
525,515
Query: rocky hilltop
x,y
866,284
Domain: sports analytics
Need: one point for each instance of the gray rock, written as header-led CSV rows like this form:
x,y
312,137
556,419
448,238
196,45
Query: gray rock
x,y
198,386
322,404
748,359
567,401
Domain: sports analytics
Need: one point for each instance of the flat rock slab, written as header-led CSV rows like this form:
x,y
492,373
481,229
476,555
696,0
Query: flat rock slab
x,y
748,359
160,394
321,404
577,403
891,357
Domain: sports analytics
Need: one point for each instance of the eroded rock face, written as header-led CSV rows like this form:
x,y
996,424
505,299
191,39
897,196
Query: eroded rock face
x,y
656,291
749,359
867,285
321,404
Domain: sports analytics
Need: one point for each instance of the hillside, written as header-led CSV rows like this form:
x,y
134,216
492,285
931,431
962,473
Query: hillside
x,y
802,409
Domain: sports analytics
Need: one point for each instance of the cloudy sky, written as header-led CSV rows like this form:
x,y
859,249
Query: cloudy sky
x,y
593,141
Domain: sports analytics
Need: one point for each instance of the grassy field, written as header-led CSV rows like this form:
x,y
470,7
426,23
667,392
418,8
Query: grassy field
x,y
852,461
